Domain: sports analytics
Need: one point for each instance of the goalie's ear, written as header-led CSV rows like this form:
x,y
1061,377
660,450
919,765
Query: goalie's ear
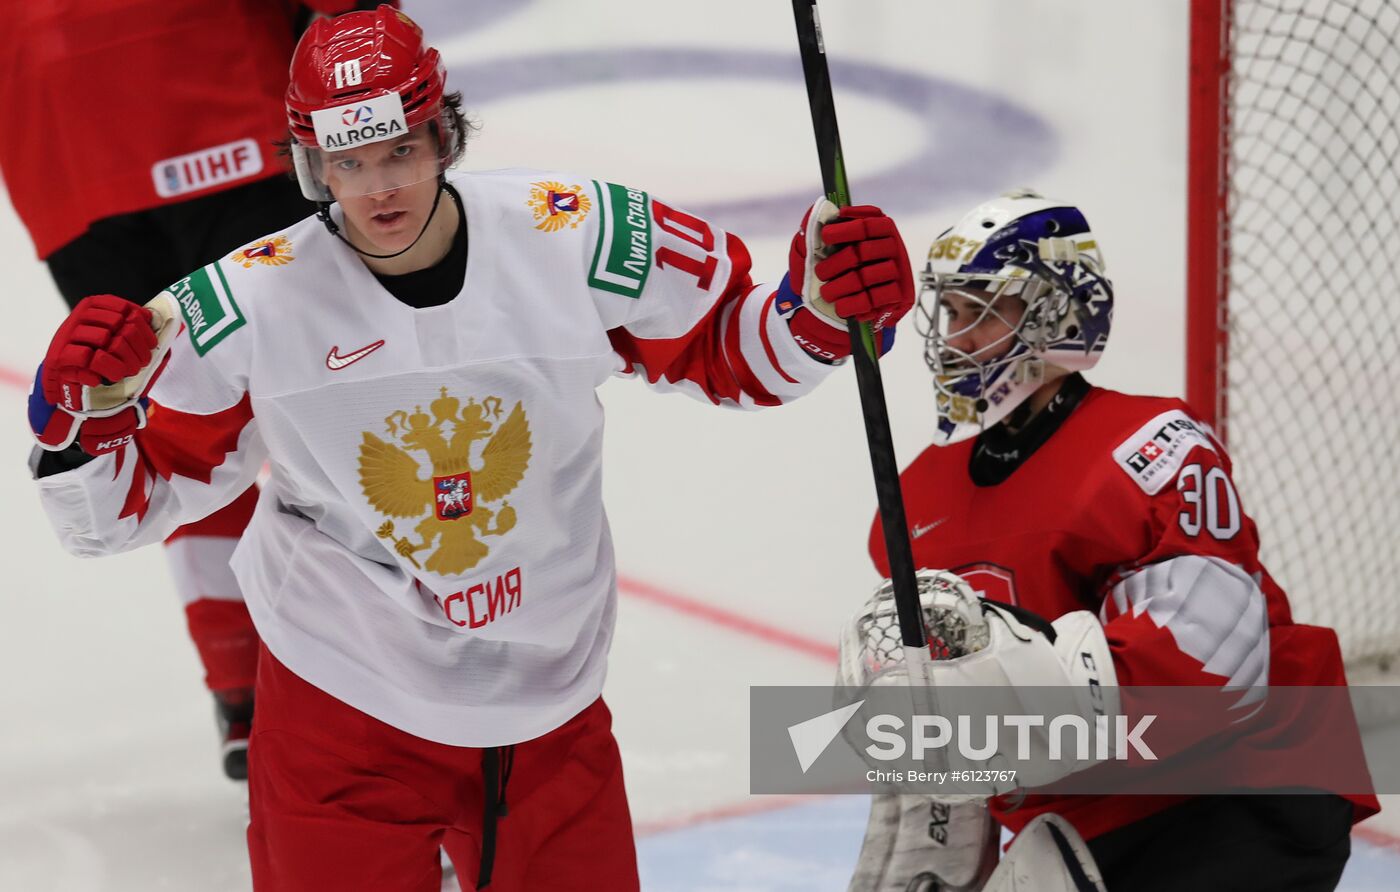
x,y
1052,852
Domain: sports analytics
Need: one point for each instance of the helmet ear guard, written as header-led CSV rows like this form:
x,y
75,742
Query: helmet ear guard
x,y
1040,252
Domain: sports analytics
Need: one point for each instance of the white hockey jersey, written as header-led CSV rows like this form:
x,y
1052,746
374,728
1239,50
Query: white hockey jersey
x,y
431,546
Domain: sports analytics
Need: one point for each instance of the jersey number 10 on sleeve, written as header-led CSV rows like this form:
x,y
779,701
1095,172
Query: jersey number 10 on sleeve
x,y
690,230
1210,501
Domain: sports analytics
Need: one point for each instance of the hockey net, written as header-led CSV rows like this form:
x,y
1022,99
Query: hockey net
x,y
1294,320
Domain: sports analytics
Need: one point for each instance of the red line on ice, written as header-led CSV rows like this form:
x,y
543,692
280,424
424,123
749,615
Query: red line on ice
x,y
725,619
723,812
13,378
1381,839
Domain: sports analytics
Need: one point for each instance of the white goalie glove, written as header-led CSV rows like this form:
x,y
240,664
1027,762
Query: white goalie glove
x,y
921,843
1062,671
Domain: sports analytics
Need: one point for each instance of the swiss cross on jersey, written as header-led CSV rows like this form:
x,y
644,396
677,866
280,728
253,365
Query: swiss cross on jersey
x,y
991,581
453,495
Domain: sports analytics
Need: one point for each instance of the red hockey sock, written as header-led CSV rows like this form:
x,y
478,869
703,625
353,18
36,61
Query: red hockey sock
x,y
223,634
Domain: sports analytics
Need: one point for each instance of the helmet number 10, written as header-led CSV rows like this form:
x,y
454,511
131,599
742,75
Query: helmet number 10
x,y
347,73
1209,501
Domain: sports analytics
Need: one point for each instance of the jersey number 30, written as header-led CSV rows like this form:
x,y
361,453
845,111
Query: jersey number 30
x,y
1209,501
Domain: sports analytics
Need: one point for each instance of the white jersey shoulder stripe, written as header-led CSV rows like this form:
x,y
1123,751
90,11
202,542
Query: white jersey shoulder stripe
x,y
1215,612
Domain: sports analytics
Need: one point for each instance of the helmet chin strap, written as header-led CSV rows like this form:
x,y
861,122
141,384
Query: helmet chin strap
x,y
323,213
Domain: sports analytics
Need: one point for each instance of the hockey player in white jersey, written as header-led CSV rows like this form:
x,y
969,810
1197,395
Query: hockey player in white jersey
x,y
429,564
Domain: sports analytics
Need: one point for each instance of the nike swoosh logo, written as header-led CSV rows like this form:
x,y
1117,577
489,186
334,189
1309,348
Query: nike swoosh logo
x,y
335,361
920,530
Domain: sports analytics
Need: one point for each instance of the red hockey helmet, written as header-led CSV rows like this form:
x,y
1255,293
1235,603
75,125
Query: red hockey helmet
x,y
362,78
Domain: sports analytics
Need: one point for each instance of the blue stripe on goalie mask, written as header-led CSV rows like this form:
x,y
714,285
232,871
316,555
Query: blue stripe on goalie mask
x,y
1060,222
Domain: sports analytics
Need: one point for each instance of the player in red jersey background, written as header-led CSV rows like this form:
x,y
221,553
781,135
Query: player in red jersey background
x,y
138,146
1072,501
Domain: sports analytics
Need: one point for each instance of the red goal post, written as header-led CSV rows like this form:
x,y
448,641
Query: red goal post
x,y
1293,292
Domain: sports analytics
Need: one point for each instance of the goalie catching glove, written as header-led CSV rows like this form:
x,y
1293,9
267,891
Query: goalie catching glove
x,y
91,387
1028,666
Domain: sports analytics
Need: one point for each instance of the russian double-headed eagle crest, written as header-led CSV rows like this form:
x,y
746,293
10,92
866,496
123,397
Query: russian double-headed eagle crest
x,y
275,251
472,459
556,205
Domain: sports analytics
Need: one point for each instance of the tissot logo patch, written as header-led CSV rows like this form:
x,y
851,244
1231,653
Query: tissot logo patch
x,y
1154,454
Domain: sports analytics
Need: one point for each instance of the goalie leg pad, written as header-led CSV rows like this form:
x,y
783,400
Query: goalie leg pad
x,y
919,844
1048,855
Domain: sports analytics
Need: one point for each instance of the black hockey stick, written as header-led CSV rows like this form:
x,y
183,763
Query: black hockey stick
x,y
863,351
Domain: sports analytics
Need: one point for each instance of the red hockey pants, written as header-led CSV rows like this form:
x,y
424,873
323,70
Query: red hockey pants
x,y
340,800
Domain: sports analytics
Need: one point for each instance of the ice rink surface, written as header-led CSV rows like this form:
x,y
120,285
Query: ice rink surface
x,y
740,536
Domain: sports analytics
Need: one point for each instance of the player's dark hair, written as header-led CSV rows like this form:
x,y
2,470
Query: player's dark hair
x,y
458,120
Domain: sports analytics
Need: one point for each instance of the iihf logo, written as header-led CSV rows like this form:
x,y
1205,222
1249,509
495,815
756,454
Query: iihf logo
x,y
362,115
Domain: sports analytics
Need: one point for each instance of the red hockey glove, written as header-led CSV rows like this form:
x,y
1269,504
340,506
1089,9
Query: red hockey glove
x,y
56,429
847,264
104,340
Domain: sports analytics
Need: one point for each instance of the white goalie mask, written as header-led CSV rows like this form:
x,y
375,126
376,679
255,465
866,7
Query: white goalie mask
x,y
1015,288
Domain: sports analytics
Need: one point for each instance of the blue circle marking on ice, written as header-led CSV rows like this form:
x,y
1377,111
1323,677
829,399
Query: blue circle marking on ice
x,y
440,20
972,143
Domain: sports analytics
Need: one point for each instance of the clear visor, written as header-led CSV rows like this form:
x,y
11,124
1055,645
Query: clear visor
x,y
375,167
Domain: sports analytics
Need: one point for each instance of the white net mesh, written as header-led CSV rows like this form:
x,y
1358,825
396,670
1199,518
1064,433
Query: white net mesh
x,y
1314,340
